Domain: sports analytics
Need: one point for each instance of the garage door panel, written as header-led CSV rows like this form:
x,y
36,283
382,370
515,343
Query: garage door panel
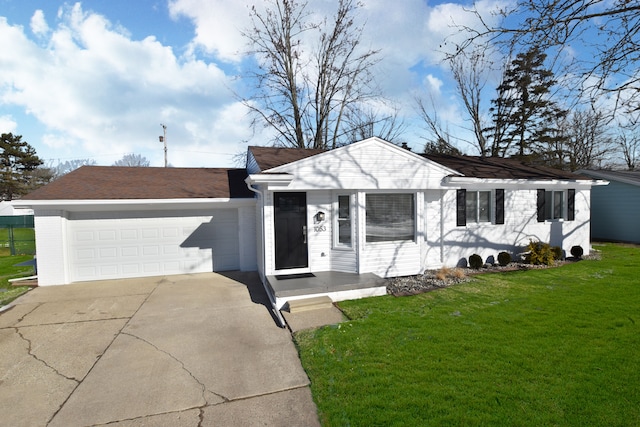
x,y
131,269
129,251
109,248
129,234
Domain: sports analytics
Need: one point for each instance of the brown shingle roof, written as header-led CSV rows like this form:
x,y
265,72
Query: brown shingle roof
x,y
115,182
271,157
500,168
469,166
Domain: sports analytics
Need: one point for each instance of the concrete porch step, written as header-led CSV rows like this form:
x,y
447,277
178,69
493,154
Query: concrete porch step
x,y
305,304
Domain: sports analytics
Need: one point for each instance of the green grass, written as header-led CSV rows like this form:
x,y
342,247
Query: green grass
x,y
8,271
24,241
558,346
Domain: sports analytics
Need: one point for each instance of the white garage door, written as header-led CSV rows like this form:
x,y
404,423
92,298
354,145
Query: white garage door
x,y
141,244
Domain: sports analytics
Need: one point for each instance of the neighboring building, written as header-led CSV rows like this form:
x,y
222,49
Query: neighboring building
x,y
615,208
367,210
7,209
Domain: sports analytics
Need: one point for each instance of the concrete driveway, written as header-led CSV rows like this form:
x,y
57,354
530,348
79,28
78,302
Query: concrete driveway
x,y
191,350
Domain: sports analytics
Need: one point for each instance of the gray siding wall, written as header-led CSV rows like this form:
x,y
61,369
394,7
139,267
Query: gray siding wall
x,y
615,212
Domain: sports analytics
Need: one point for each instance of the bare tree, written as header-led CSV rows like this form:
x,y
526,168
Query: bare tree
x,y
365,122
133,160
440,140
63,168
584,141
608,30
303,90
470,72
629,144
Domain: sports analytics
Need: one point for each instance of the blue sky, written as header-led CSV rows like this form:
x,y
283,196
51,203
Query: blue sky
x,y
95,79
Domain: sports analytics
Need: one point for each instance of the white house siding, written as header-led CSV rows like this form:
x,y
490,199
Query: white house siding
x,y
615,209
432,242
368,165
269,234
319,233
247,238
520,227
51,255
391,259
259,239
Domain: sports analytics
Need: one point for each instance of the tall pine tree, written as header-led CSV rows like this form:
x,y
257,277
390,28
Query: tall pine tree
x,y
18,167
523,113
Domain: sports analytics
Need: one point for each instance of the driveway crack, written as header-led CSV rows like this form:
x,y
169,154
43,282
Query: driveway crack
x,y
32,354
21,317
182,365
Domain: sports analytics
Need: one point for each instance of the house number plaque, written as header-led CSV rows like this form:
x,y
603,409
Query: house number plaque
x,y
319,228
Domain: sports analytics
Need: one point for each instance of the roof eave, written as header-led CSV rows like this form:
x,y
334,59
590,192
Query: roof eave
x,y
128,204
271,179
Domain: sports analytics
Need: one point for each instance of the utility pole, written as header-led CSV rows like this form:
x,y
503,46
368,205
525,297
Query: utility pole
x,y
163,138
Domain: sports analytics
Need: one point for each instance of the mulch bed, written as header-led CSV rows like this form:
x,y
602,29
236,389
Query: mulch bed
x,y
432,279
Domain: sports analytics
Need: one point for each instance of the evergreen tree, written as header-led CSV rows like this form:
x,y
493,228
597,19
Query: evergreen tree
x,y
19,163
523,113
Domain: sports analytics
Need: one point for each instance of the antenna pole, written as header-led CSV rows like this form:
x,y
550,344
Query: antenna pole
x,y
163,138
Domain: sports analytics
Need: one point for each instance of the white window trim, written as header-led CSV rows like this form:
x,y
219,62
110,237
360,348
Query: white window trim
x,y
414,240
335,222
552,210
491,207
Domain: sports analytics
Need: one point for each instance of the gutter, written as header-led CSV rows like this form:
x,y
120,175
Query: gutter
x,y
519,183
281,322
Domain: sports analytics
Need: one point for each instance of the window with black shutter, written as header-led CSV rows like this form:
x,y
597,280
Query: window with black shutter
x,y
571,205
499,206
551,205
461,208
541,205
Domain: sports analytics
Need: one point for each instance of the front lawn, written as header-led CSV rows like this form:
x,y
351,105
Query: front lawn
x,y
559,346
24,241
8,271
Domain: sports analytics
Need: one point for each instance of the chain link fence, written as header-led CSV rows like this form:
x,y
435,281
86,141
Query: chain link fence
x,y
17,235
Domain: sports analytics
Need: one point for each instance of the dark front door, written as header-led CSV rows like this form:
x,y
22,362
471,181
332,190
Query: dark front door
x,y
291,230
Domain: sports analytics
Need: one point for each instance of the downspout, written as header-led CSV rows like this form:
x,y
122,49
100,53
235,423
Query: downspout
x,y
274,309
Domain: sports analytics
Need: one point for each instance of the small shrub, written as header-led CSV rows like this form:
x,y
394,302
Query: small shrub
x,y
504,258
442,273
458,273
577,251
539,253
557,252
475,262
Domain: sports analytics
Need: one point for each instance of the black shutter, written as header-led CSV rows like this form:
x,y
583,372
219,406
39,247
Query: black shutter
x,y
571,205
461,208
541,203
499,206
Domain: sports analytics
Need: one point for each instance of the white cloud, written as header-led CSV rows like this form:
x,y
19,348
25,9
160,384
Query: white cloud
x,y
433,84
95,89
8,124
218,25
39,25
